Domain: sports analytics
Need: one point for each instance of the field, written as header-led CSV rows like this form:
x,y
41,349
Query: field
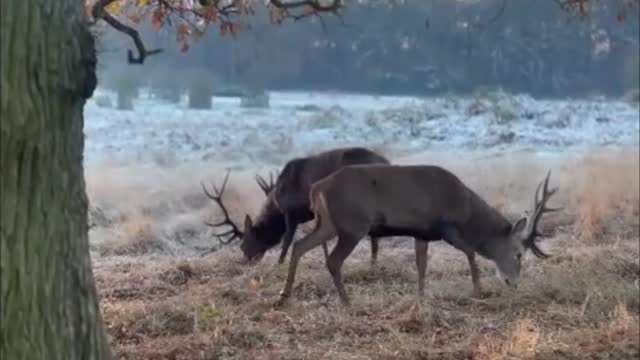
x,y
169,291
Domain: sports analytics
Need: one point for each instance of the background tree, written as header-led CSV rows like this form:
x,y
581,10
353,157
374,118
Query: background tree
x,y
49,305
49,308
416,47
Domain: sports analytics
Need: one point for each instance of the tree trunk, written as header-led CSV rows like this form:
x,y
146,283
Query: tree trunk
x,y
49,307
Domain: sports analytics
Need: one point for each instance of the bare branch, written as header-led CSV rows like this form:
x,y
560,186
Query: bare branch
x,y
99,12
333,6
225,12
315,5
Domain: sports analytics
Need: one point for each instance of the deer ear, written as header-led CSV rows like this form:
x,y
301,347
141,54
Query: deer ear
x,y
519,225
248,224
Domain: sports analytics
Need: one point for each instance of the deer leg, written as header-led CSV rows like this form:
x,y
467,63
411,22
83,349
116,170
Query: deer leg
x,y
321,234
422,249
475,275
343,249
291,225
374,251
452,236
325,249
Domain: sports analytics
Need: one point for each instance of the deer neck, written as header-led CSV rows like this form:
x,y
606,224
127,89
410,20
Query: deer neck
x,y
270,226
485,231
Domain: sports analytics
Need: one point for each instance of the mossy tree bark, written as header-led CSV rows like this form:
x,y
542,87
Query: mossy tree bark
x,y
49,306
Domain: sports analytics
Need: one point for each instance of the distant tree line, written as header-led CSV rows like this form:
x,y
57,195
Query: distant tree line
x,y
425,47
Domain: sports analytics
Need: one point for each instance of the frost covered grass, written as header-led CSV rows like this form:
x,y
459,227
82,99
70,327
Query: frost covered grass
x,y
162,298
296,123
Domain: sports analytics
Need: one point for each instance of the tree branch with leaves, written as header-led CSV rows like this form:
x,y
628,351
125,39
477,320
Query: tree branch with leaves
x,y
196,16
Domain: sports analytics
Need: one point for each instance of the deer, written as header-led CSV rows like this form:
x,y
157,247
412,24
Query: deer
x,y
426,202
287,202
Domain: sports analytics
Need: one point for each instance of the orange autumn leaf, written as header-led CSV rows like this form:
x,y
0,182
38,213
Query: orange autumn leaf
x,y
198,34
253,284
210,14
135,18
89,8
234,28
308,10
156,20
274,315
183,31
275,15
114,8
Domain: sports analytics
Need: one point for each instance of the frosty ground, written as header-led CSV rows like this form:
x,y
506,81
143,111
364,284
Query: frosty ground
x,y
298,123
162,298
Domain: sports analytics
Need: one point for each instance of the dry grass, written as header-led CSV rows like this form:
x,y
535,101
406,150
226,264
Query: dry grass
x,y
161,300
606,193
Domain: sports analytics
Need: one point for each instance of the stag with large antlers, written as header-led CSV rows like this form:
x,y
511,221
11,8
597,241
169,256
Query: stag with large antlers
x,y
426,202
287,203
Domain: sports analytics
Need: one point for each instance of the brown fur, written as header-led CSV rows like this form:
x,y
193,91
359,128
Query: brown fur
x,y
287,204
426,202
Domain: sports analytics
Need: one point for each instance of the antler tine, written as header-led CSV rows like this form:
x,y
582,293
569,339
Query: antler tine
x,y
273,176
541,206
222,235
531,231
537,252
206,192
217,198
224,185
271,180
264,185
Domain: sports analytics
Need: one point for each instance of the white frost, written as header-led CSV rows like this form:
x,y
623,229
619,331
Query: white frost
x,y
298,123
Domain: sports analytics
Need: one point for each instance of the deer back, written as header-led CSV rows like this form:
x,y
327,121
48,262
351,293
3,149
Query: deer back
x,y
402,197
414,199
297,176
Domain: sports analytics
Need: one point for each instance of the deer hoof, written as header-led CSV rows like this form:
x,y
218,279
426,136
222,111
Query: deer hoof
x,y
479,294
282,301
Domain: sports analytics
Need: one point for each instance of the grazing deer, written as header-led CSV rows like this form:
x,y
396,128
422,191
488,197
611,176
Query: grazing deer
x,y
287,203
426,202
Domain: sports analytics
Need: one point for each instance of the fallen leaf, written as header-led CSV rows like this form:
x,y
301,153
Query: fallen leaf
x,y
274,315
253,284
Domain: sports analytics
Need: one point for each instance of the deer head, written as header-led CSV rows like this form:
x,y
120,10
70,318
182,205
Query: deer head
x,y
254,245
522,236
250,243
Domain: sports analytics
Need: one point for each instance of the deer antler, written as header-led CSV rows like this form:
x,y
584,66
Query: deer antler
x,y
264,185
531,232
217,198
